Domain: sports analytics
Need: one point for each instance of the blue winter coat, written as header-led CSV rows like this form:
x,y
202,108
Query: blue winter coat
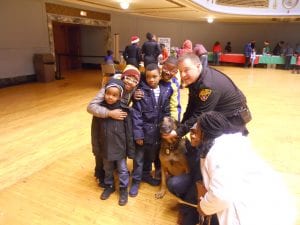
x,y
147,114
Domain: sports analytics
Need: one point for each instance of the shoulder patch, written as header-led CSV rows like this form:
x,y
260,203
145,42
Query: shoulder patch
x,y
204,94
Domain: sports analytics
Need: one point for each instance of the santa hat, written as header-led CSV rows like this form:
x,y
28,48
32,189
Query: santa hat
x,y
131,71
134,39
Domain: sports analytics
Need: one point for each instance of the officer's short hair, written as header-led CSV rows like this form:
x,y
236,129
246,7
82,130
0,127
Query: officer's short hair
x,y
192,56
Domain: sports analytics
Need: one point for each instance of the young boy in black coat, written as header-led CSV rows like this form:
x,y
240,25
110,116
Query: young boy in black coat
x,y
114,141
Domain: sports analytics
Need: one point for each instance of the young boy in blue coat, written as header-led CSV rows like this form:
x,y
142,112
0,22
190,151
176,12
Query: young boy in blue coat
x,y
147,114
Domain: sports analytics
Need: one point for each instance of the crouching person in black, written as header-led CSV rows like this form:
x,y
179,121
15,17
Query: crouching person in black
x,y
184,186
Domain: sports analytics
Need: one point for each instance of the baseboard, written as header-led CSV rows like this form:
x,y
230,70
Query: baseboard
x,y
6,82
90,66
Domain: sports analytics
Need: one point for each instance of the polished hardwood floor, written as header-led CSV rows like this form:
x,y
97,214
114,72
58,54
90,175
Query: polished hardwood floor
x,y
46,164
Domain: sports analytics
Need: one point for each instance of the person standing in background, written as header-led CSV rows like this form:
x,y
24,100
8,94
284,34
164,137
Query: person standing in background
x,y
150,50
164,54
278,50
296,68
288,53
200,51
228,48
187,46
217,51
247,54
109,58
253,57
266,49
132,53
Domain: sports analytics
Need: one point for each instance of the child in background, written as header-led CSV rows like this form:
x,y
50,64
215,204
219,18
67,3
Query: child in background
x,y
109,59
147,114
252,57
114,142
217,51
164,54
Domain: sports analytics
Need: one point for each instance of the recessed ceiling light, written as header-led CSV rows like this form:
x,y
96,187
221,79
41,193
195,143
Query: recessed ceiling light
x,y
83,13
124,4
210,19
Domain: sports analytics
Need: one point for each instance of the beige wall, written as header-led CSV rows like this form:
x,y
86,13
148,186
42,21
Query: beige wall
x,y
24,32
205,33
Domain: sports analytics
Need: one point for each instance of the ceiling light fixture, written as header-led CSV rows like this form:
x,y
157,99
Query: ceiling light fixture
x,y
210,19
83,13
124,4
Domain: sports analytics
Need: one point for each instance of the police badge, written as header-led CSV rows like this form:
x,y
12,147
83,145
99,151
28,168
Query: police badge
x,y
204,94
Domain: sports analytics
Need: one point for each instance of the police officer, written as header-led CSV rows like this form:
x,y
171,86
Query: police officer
x,y
209,89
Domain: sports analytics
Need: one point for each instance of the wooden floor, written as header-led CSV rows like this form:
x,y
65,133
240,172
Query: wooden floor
x,y
46,164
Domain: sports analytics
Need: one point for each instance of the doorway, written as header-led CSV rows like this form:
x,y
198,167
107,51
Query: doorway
x,y
67,45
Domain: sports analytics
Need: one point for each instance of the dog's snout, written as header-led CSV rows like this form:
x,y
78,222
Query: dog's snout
x,y
165,128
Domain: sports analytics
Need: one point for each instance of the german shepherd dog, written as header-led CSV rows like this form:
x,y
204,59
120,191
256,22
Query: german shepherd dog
x,y
172,156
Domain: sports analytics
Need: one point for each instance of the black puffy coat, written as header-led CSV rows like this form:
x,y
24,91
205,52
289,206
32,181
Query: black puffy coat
x,y
133,55
147,114
113,139
151,51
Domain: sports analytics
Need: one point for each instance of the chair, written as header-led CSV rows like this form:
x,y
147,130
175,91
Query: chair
x,y
107,70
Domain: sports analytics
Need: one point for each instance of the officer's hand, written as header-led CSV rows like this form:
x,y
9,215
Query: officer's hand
x,y
117,114
138,94
139,142
170,137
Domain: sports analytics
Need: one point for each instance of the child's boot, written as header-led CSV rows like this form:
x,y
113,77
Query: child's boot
x,y
107,192
134,189
123,198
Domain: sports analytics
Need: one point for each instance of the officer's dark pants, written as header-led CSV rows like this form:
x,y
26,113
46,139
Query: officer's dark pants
x,y
183,187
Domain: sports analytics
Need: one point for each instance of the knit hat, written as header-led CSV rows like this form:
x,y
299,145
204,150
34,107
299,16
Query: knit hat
x,y
135,39
115,83
131,71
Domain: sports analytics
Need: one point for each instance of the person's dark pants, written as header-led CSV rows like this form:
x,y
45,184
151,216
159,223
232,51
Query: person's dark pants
x,y
247,61
287,62
179,185
95,134
99,171
183,187
109,167
143,156
147,167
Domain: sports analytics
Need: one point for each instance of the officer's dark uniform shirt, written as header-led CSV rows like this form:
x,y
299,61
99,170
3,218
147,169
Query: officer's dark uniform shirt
x,y
213,91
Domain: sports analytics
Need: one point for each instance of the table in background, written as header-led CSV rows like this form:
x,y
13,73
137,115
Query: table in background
x,y
232,58
274,59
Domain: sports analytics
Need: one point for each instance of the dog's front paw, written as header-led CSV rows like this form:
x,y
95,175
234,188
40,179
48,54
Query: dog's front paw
x,y
160,194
